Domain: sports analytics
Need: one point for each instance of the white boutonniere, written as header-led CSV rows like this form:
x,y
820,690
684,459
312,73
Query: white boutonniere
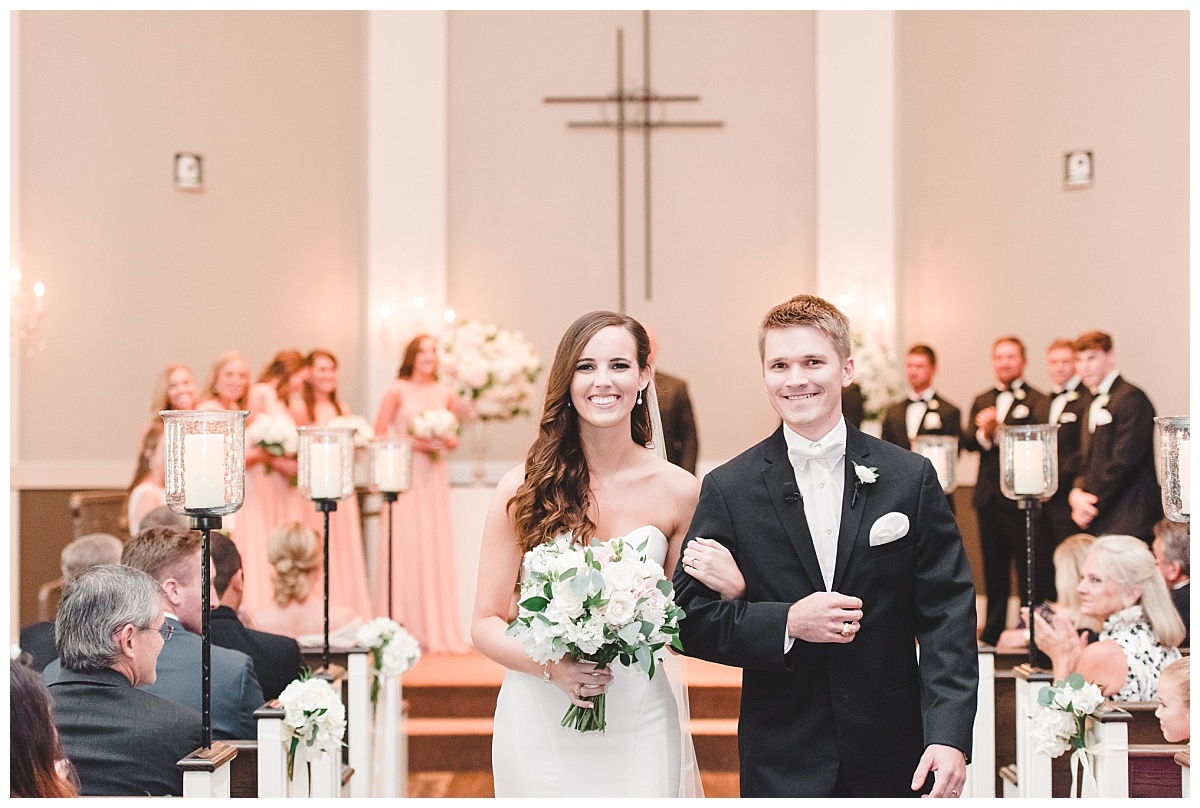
x,y
1072,395
933,420
1103,417
1019,394
1102,400
1020,411
933,404
1067,418
862,476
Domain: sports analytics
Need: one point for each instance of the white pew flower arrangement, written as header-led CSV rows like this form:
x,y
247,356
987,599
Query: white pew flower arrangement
x,y
393,651
314,718
1060,722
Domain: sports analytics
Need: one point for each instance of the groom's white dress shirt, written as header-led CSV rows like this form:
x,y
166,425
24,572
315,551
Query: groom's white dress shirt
x,y
819,468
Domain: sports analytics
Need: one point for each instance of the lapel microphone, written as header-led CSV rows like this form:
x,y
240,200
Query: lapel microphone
x,y
791,494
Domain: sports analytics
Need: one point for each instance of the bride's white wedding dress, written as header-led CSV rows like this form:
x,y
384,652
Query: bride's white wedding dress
x,y
637,755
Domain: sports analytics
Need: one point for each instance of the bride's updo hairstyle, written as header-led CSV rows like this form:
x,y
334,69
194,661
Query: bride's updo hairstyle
x,y
294,551
554,498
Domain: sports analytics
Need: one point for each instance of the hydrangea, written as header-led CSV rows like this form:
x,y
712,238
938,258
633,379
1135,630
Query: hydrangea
x,y
314,718
492,370
276,434
393,650
1060,717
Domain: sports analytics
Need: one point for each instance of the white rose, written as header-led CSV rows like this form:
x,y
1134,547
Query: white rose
x,y
619,576
620,609
568,598
1087,699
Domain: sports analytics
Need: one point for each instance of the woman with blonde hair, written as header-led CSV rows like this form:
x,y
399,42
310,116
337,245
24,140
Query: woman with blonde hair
x,y
299,608
1068,561
228,384
1175,701
1122,587
147,490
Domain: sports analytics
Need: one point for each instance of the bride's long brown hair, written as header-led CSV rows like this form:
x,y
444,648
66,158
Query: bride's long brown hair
x,y
556,494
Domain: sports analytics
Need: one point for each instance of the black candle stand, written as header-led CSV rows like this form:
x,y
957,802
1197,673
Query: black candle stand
x,y
390,498
326,506
205,524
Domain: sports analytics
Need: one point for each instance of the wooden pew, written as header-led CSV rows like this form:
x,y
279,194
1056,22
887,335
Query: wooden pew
x,y
1184,760
1004,696
323,778
981,772
206,772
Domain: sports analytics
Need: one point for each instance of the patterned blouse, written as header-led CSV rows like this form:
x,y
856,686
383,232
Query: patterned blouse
x,y
1129,629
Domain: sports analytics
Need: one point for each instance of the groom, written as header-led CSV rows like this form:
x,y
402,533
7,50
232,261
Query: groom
x,y
852,560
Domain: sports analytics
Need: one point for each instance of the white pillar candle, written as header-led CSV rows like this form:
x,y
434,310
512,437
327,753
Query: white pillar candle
x,y
941,464
325,470
1185,475
1028,478
391,472
203,471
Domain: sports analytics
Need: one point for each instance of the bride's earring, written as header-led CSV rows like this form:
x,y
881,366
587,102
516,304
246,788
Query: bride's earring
x,y
639,401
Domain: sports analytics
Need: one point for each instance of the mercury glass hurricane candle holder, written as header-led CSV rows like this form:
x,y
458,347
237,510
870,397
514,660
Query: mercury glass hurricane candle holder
x,y
1028,461
326,467
391,465
942,451
1174,451
205,460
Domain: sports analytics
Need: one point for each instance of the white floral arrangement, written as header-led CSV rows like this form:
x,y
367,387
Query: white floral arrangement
x,y
604,602
876,371
1060,719
492,370
275,434
363,431
393,650
435,423
314,718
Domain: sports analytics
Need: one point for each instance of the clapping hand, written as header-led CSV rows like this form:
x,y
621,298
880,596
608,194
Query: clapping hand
x,y
985,421
1083,507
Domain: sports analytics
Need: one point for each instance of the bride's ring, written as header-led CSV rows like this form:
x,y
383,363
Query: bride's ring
x,y
579,692
847,629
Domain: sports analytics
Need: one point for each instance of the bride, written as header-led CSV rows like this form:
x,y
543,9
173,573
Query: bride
x,y
588,473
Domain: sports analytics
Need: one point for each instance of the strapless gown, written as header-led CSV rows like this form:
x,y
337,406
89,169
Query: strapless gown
x,y
637,755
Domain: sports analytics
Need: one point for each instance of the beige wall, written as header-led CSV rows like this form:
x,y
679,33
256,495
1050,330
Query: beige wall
x,y
992,243
139,274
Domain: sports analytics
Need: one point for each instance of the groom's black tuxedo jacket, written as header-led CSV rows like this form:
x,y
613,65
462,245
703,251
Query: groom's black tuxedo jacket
x,y
865,707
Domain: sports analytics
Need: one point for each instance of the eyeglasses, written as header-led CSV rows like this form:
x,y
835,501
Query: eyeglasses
x,y
166,630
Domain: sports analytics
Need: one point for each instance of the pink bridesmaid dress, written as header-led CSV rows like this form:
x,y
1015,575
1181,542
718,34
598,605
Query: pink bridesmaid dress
x,y
347,566
270,501
424,589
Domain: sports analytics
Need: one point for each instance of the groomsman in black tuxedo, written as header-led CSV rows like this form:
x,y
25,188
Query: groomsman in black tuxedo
x,y
851,560
1001,522
1116,490
1069,400
924,412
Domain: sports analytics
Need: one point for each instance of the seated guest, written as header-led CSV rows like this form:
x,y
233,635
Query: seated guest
x,y
37,766
163,516
172,557
122,740
1142,631
299,610
83,553
1172,551
276,659
1068,563
1175,701
923,412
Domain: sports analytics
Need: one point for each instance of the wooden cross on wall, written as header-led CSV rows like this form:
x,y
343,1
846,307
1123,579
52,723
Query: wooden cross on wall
x,y
624,123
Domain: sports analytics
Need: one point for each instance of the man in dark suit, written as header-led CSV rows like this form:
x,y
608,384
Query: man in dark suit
x,y
121,740
1069,400
171,556
1116,490
849,556
276,659
1172,554
675,408
854,406
1001,522
82,554
924,412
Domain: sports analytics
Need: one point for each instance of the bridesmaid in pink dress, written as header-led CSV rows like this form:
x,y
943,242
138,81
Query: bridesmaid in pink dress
x,y
317,405
270,499
425,592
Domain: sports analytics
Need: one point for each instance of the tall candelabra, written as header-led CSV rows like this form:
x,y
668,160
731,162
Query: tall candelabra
x,y
942,451
326,476
1029,474
1174,449
391,476
205,473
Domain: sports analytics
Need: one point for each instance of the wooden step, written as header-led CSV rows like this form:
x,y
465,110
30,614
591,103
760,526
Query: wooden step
x,y
478,701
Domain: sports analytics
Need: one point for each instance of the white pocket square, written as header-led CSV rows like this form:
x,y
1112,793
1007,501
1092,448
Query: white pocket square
x,y
888,528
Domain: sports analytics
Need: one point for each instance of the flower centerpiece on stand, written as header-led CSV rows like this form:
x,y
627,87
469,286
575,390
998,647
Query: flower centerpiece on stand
x,y
604,602
492,371
1060,722
875,370
393,651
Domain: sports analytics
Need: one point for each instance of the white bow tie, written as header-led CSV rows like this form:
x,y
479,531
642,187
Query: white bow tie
x,y
800,455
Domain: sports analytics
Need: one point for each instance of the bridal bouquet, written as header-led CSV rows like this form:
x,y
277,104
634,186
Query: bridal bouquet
x,y
276,434
363,431
313,715
491,369
393,650
601,603
1060,721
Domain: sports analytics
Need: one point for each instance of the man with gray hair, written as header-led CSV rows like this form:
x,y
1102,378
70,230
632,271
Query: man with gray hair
x,y
122,740
1172,554
83,553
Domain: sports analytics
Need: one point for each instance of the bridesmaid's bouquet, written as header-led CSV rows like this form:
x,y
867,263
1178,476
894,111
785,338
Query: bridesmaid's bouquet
x,y
435,423
275,434
600,603
363,431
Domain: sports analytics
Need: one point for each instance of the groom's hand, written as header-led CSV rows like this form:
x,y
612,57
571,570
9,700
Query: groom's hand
x,y
825,617
949,767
